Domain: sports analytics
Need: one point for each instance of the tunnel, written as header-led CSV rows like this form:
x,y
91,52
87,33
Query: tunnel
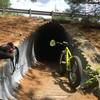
x,y
44,34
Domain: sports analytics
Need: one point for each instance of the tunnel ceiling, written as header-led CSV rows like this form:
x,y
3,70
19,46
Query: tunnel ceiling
x,y
45,33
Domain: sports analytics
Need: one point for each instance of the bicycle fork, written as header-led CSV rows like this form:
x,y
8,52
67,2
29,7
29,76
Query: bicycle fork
x,y
68,57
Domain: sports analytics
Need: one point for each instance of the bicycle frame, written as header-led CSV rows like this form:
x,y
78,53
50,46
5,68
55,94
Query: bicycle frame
x,y
68,57
68,54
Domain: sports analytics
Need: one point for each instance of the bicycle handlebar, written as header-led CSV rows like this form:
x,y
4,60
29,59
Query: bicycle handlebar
x,y
62,43
53,43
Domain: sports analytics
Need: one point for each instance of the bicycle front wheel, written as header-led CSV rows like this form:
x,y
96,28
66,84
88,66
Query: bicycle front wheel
x,y
75,74
62,63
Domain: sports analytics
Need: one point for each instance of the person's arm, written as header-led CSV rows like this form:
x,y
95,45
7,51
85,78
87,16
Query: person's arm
x,y
5,55
2,48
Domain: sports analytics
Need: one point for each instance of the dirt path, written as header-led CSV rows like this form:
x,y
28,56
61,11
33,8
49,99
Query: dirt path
x,y
40,84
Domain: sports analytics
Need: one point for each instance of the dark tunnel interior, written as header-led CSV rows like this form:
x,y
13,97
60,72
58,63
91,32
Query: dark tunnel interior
x,y
45,33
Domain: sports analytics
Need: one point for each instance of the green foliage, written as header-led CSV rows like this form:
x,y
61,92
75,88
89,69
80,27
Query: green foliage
x,y
90,21
34,0
10,14
62,18
59,17
4,3
90,18
75,1
91,81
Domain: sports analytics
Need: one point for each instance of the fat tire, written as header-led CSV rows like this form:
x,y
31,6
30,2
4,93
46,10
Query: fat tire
x,y
78,72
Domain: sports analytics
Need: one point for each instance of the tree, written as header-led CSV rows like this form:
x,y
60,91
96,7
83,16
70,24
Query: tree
x,y
75,6
4,3
91,11
34,0
75,1
82,7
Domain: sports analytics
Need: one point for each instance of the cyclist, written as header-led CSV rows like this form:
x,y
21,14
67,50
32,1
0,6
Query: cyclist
x,y
6,51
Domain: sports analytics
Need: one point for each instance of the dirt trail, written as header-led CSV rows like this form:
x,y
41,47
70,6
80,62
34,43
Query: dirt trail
x,y
40,84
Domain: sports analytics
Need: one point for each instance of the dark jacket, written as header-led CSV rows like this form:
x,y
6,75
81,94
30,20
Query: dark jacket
x,y
6,52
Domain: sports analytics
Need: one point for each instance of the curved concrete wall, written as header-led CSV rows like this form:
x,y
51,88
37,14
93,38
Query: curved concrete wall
x,y
8,82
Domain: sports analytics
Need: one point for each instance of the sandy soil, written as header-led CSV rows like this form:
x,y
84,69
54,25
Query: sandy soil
x,y
41,84
14,29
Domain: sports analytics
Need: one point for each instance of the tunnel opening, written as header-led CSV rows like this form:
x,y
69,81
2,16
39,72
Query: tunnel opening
x,y
44,34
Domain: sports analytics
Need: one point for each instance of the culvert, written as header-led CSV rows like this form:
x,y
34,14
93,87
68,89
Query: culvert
x,y
35,47
45,33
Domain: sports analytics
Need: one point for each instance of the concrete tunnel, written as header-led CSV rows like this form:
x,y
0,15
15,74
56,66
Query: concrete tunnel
x,y
34,48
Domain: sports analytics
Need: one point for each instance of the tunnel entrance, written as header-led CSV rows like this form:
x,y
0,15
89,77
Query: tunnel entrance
x,y
44,34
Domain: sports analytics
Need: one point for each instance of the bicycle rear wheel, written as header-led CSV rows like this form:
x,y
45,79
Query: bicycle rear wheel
x,y
75,74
